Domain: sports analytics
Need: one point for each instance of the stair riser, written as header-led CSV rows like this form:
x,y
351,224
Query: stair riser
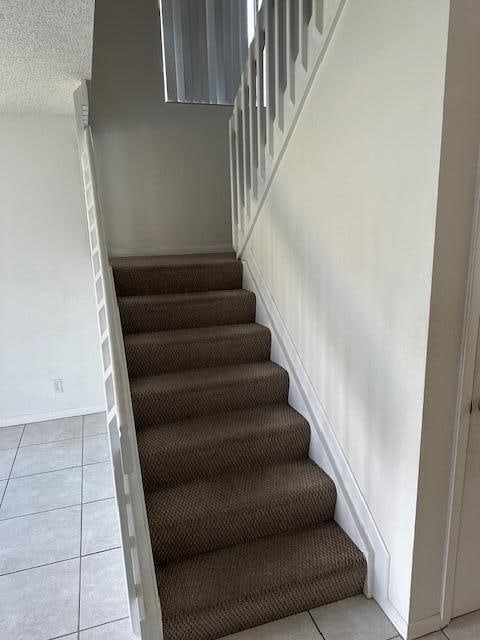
x,y
246,613
151,358
188,538
151,407
161,469
138,316
153,280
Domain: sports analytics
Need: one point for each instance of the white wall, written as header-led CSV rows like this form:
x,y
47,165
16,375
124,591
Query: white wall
x,y
47,314
345,243
163,168
458,171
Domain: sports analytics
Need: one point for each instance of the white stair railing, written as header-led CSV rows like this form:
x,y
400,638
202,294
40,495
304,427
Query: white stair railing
x,y
290,41
145,613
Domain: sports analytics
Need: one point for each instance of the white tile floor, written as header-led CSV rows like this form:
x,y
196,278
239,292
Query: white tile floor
x,y
61,573
352,619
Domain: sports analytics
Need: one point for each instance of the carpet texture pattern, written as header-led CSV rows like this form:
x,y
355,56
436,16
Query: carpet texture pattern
x,y
241,520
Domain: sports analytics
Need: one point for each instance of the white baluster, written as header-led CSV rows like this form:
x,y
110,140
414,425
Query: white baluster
x,y
280,52
233,180
244,93
252,117
261,113
291,35
290,41
270,71
237,113
303,33
318,14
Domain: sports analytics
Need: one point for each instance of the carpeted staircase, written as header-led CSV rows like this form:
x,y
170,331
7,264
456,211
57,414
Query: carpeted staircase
x,y
241,520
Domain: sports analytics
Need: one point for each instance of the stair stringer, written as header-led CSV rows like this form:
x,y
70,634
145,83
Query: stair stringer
x,y
352,512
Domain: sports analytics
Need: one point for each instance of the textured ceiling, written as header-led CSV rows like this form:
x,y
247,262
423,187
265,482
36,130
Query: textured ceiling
x,y
45,49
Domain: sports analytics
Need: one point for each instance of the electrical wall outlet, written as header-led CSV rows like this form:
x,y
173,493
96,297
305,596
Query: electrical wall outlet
x,y
57,385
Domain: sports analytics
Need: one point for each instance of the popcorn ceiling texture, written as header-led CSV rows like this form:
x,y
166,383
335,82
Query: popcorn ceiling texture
x,y
45,50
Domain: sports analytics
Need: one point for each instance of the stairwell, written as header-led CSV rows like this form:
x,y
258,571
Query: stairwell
x,y
241,520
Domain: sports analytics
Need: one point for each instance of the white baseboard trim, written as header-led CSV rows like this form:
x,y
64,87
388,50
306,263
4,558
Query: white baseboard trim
x,y
170,251
423,627
352,512
398,621
50,415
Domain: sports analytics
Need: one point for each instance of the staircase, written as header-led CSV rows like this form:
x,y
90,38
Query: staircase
x,y
241,520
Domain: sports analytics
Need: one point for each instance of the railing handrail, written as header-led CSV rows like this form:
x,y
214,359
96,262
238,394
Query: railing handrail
x,y
291,37
145,612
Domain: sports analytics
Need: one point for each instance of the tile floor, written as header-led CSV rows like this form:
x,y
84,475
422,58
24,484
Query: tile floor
x,y
61,573
352,619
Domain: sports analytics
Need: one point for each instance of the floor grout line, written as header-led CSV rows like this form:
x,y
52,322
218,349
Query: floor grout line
x,y
42,473
48,564
103,624
11,468
36,444
316,626
39,566
96,553
66,506
97,626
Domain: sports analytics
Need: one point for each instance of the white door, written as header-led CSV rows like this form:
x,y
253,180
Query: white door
x,y
467,575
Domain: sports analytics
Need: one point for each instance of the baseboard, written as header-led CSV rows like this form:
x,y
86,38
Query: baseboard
x,y
421,628
412,630
392,613
50,415
352,512
170,251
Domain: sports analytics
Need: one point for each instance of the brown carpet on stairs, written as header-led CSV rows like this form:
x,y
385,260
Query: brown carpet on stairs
x,y
241,520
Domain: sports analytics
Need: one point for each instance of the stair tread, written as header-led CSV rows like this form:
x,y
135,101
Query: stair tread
x,y
172,274
244,585
169,311
185,394
214,444
217,512
241,490
196,334
184,298
205,378
179,260
159,352
226,427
